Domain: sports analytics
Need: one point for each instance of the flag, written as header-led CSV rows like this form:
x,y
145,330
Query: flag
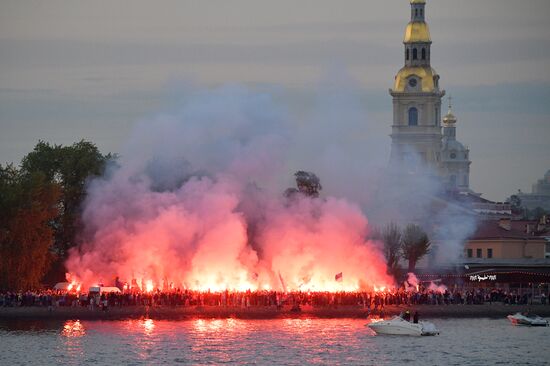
x,y
338,277
282,282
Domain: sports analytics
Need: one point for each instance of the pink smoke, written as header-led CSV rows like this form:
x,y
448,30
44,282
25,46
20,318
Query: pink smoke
x,y
195,203
440,289
196,238
411,283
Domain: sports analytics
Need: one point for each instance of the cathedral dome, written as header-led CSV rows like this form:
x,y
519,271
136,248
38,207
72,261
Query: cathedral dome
x,y
454,145
453,151
417,32
449,119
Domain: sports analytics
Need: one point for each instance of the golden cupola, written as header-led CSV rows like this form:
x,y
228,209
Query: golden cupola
x,y
449,120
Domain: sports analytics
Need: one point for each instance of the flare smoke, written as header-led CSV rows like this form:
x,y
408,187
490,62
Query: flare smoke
x,y
195,199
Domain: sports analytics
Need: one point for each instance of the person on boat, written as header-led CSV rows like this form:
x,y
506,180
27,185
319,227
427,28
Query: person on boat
x,y
415,317
407,316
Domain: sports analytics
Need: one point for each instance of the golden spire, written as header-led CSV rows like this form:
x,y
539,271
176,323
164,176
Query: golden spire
x,y
417,42
417,30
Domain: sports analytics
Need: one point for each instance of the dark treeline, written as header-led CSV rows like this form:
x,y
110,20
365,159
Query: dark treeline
x,y
40,210
519,210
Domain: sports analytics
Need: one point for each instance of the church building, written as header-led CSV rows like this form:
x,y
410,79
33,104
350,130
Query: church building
x,y
417,131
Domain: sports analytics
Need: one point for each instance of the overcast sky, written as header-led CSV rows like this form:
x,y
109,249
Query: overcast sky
x,y
73,69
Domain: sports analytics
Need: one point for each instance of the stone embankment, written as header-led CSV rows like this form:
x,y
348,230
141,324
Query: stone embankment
x,y
174,313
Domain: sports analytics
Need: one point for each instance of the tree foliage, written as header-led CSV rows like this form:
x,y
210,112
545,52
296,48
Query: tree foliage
x,y
70,167
28,205
308,184
40,209
415,245
391,237
516,204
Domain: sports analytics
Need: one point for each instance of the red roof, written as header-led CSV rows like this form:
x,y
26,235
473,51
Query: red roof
x,y
494,230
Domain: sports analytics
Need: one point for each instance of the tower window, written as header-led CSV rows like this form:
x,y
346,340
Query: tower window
x,y
413,116
420,12
415,54
453,180
407,54
478,253
415,12
423,54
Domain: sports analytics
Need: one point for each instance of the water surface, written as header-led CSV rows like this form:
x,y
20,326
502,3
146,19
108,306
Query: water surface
x,y
267,342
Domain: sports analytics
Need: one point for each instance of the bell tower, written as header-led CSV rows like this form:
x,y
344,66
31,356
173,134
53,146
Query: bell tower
x,y
416,130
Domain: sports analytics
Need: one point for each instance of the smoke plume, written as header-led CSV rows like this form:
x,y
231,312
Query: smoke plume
x,y
196,201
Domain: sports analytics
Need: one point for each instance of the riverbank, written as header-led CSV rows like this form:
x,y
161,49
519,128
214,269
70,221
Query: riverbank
x,y
174,313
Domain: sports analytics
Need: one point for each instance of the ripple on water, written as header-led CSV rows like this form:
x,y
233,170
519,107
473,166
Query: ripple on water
x,y
278,341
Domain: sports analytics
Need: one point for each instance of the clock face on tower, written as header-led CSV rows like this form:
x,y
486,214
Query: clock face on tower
x,y
412,83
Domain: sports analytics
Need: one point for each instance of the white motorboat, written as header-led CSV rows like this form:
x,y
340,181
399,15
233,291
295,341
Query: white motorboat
x,y
528,319
399,326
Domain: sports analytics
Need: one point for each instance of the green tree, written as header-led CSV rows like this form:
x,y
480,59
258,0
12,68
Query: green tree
x,y
516,205
415,245
308,184
391,237
28,206
70,167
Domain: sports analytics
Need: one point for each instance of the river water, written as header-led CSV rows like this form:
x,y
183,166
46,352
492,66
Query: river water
x,y
267,342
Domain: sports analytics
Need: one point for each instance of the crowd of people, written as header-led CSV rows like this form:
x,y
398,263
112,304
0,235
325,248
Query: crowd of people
x,y
369,300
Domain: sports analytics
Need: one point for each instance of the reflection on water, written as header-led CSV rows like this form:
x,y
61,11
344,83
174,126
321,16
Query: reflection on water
x,y
297,325
216,337
148,326
73,328
278,341
71,341
209,326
